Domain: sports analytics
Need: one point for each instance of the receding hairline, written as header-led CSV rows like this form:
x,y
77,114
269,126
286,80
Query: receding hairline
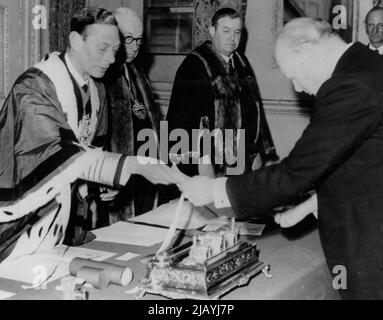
x,y
304,30
375,9
123,15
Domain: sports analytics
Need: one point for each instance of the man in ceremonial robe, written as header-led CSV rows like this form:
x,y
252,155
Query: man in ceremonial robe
x,y
49,122
133,109
215,88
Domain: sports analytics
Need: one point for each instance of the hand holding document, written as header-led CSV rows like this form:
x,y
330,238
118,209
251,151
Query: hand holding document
x,y
199,190
293,216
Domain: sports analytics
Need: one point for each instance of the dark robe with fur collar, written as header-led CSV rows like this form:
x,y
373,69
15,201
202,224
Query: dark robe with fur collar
x,y
204,90
122,130
124,127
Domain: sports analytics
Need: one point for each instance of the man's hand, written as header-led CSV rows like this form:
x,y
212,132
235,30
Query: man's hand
x,y
199,190
292,216
154,170
108,194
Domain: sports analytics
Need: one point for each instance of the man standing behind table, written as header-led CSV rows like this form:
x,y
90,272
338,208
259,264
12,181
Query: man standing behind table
x,y
47,126
339,154
374,29
215,88
132,109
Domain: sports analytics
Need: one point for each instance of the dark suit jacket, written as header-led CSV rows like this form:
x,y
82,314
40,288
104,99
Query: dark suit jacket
x,y
341,154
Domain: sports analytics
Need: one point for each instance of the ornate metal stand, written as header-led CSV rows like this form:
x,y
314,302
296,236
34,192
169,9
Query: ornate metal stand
x,y
169,277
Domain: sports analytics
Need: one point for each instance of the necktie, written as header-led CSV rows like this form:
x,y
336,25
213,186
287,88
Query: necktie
x,y
88,105
127,77
231,66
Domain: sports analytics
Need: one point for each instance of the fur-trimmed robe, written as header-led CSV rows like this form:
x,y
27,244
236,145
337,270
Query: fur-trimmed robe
x,y
123,133
40,158
121,130
204,90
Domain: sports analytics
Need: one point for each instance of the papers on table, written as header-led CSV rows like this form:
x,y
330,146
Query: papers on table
x,y
128,256
129,233
5,295
46,266
244,228
67,254
247,228
191,217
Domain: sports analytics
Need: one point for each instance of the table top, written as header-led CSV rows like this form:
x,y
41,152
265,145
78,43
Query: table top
x,y
298,267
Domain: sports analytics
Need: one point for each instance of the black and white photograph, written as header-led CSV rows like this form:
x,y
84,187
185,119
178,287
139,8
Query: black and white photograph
x,y
191,155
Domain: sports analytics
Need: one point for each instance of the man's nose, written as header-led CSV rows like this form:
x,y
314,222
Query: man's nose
x,y
135,45
375,29
111,57
233,36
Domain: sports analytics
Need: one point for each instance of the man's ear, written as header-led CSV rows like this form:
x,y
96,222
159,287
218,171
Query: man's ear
x,y
75,40
212,31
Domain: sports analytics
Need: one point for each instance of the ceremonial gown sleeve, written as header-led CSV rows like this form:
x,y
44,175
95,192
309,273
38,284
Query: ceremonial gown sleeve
x,y
39,156
36,143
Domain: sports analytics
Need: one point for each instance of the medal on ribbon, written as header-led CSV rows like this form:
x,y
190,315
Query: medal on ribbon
x,y
139,110
85,131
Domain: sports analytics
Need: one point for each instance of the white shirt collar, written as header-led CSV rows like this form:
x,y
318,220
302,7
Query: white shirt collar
x,y
226,58
380,49
79,79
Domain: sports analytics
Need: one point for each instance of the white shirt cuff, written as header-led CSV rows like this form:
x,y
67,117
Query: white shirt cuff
x,y
220,197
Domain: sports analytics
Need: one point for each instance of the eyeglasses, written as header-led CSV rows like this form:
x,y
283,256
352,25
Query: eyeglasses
x,y
130,39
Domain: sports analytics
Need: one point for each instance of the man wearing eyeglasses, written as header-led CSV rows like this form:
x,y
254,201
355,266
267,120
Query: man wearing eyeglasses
x,y
374,29
132,110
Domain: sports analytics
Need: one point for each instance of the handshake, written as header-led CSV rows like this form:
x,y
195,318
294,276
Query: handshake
x,y
201,190
154,170
198,190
